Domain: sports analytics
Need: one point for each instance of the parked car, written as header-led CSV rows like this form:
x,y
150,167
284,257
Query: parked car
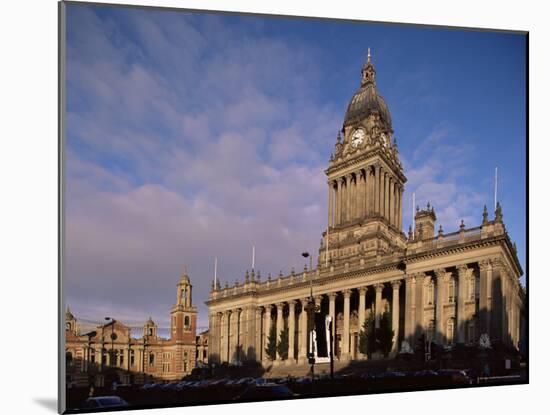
x,y
425,372
267,391
105,402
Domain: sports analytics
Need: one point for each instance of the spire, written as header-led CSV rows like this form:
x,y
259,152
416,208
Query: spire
x,y
368,72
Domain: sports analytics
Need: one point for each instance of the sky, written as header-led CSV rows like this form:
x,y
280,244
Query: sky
x,y
191,136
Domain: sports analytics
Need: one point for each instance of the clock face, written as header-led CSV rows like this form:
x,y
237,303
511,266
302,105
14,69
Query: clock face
x,y
358,137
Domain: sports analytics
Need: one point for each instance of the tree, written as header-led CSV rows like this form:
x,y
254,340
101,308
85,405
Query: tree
x,y
282,345
384,334
367,338
271,349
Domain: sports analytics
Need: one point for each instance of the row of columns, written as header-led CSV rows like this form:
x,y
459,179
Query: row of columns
x,y
372,191
495,313
227,341
441,297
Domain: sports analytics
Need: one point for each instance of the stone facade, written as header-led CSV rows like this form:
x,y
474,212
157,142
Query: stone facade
x,y
110,353
449,287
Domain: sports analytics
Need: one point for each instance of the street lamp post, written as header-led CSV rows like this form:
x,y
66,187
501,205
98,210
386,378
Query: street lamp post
x,y
306,255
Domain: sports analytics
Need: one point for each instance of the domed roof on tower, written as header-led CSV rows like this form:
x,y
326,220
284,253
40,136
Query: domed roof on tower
x,y
367,100
184,278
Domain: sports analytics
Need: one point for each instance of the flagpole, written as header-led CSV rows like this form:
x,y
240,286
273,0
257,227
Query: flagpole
x,y
215,271
253,256
496,186
413,221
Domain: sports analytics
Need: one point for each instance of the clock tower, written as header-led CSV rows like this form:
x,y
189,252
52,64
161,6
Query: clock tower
x,y
365,182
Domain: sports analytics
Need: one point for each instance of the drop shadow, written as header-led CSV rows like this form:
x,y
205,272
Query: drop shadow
x,y
48,403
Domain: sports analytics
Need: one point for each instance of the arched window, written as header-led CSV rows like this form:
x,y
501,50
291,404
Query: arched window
x,y
451,291
151,359
450,330
430,294
186,322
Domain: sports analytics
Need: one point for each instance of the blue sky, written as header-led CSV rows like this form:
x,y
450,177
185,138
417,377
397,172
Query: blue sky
x,y
191,136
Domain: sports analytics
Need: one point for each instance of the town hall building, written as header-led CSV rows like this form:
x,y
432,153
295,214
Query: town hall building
x,y
447,288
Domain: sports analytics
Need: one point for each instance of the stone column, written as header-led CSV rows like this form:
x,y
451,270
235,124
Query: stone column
x,y
464,276
338,216
343,200
332,314
395,315
232,336
139,357
267,329
291,320
392,201
410,308
442,281
378,304
504,304
485,280
223,336
377,173
362,306
303,332
361,311
360,194
212,336
353,196
367,194
258,337
279,325
346,333
400,208
330,202
386,195
348,198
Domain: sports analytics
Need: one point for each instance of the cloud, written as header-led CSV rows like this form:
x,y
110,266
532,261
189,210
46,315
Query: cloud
x,y
438,172
176,156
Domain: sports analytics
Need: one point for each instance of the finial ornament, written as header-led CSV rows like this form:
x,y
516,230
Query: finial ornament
x,y
462,224
498,213
485,214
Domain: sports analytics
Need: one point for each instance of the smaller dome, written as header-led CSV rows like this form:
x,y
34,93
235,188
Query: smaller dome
x,y
184,279
150,322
